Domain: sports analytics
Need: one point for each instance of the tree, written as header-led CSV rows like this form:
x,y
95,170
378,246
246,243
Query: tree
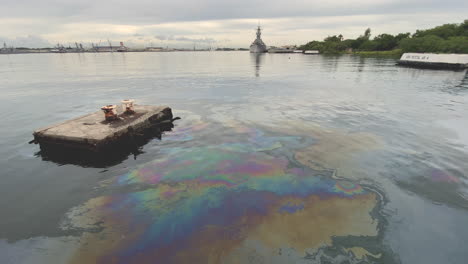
x,y
333,38
385,42
367,33
357,44
401,36
448,38
428,43
456,44
444,31
368,45
464,28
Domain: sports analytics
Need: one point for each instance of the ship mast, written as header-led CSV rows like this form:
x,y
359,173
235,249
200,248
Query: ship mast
x,y
259,32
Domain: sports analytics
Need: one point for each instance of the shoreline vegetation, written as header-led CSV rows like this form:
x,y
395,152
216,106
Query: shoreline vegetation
x,y
447,38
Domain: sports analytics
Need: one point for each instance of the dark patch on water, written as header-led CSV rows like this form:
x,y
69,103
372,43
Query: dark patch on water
x,y
108,156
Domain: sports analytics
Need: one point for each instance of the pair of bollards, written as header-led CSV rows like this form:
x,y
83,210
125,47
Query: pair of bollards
x,y
110,111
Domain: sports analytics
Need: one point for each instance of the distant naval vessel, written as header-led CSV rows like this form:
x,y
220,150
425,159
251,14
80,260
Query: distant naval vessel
x,y
258,46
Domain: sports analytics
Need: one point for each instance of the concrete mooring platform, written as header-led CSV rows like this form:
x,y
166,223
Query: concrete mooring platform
x,y
93,133
434,61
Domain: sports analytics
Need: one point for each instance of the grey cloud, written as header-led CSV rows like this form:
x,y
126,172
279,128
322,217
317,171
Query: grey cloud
x,y
90,20
27,41
160,37
158,11
185,39
45,9
199,40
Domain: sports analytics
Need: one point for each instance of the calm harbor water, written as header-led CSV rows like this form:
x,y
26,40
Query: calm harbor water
x,y
278,158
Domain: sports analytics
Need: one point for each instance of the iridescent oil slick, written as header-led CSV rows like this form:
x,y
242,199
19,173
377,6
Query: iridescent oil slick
x,y
233,202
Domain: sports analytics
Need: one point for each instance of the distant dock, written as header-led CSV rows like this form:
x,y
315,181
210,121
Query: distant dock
x,y
435,61
311,52
94,133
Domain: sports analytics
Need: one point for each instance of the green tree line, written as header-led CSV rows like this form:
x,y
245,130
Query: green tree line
x,y
448,38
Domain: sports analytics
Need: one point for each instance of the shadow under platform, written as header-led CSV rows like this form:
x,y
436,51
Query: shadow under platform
x,y
109,156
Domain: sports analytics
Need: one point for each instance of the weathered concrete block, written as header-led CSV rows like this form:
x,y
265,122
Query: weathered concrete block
x,y
93,132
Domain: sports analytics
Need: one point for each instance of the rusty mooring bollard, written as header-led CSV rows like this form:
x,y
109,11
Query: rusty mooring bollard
x,y
127,106
110,112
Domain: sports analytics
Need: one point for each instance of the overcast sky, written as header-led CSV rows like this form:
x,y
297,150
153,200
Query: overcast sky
x,y
217,23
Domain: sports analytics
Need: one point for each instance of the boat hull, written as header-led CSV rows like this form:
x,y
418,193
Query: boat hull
x,y
257,49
